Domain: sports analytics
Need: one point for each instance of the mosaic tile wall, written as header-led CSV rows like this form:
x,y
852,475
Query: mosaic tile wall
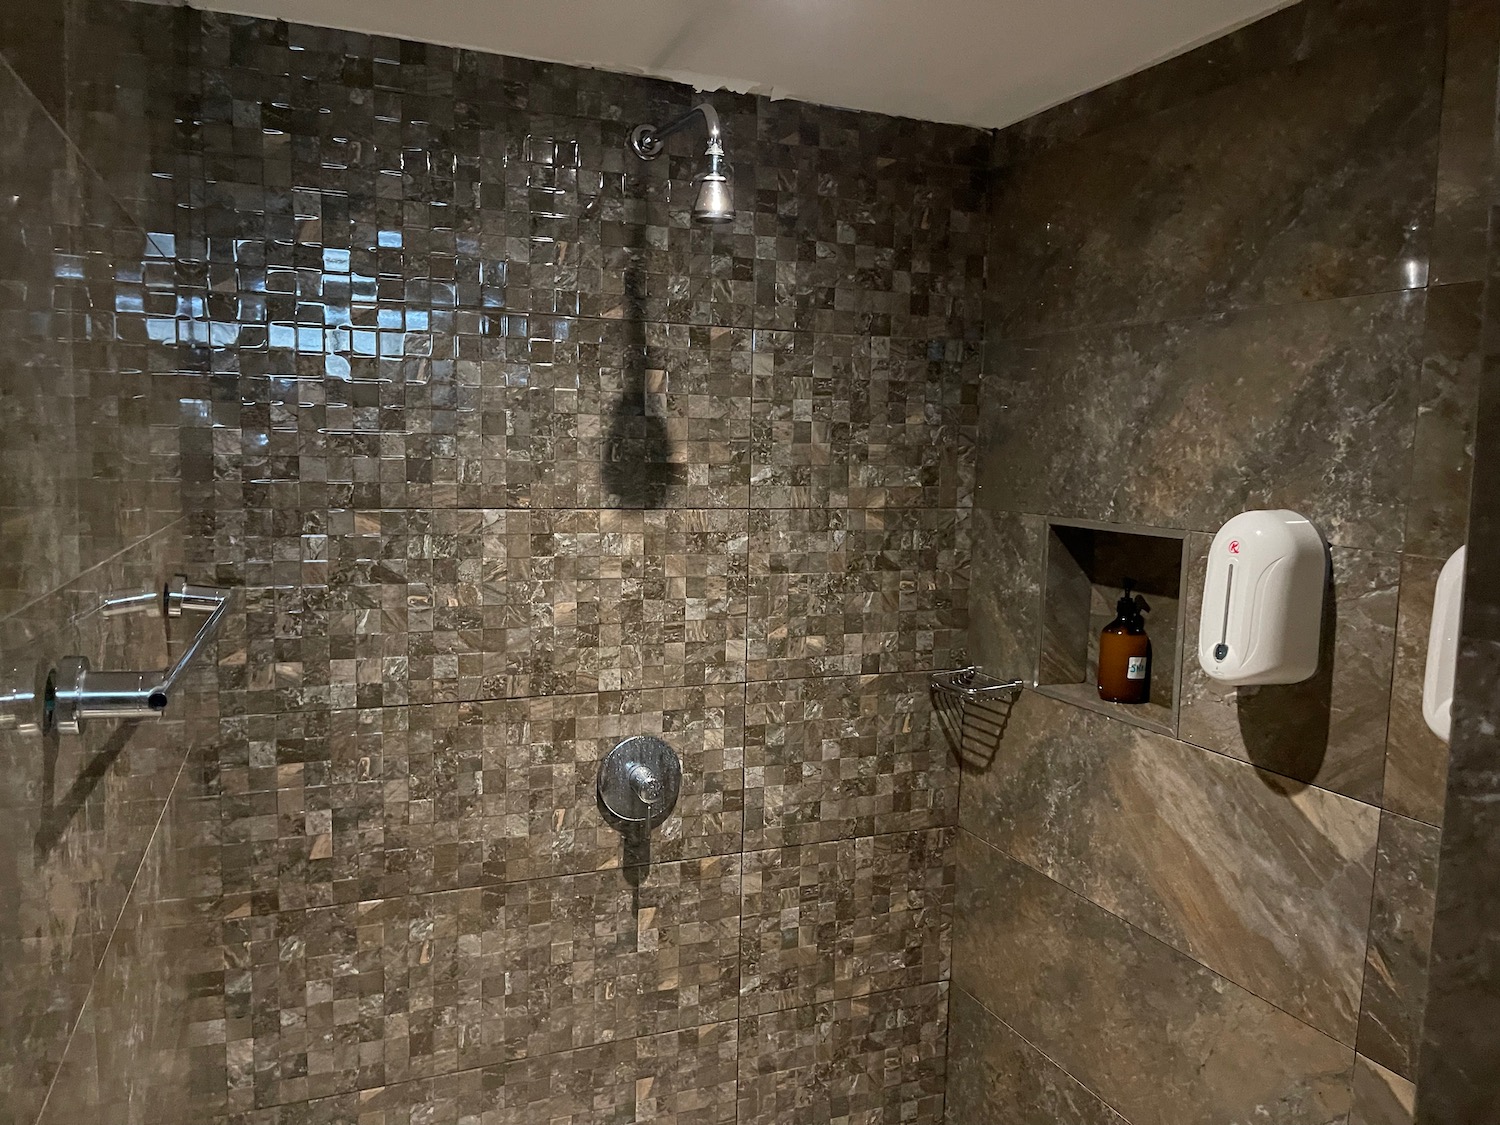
x,y
1250,277
511,462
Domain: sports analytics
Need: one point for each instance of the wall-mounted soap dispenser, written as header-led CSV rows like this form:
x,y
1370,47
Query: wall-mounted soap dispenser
x,y
1262,614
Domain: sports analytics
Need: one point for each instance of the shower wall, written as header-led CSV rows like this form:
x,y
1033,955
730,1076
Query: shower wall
x,y
510,463
106,840
1250,277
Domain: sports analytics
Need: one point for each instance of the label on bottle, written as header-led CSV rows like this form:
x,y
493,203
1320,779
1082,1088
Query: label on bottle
x,y
1136,669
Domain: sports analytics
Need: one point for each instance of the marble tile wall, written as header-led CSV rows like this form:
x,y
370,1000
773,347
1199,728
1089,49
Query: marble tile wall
x,y
514,463
1250,277
1456,1081
110,971
509,462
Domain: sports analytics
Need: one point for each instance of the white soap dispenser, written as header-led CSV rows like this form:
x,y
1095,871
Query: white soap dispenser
x,y
1262,613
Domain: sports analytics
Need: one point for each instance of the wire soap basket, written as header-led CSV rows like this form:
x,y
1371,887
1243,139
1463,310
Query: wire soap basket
x,y
973,685
977,711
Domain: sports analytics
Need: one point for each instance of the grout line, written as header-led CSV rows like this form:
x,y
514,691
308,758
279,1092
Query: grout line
x,y
319,709
501,884
1062,1069
1203,315
231,1114
1364,962
114,929
1160,941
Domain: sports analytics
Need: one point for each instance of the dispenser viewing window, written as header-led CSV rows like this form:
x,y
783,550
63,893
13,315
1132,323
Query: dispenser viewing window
x,y
1262,613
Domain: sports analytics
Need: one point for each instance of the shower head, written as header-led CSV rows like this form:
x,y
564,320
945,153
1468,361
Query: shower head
x,y
714,202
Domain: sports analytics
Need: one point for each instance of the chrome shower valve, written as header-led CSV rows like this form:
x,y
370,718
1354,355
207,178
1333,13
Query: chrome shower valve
x,y
639,781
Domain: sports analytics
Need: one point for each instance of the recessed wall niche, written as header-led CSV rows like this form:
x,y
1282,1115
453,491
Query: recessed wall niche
x,y
1084,571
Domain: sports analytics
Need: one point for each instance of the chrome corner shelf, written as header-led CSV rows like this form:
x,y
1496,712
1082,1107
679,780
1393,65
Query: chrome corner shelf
x,y
973,685
76,692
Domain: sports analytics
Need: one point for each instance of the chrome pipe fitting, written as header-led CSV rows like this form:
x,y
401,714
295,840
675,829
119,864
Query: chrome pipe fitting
x,y
77,692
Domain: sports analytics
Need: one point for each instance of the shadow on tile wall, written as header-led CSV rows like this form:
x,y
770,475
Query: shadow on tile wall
x,y
1250,277
511,462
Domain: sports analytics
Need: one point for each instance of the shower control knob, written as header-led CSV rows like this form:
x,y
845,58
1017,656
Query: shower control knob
x,y
648,787
639,781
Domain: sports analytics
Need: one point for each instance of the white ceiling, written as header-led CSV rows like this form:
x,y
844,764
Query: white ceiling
x,y
973,62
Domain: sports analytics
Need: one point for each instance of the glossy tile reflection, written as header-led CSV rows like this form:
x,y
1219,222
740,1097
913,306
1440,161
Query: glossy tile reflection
x,y
509,461
488,436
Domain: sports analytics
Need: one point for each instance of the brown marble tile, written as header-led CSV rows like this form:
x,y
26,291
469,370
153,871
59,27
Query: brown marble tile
x,y
849,592
1437,512
562,412
1457,1079
134,89
896,907
1005,594
1329,730
79,813
655,958
382,991
1395,988
478,435
845,756
1460,226
1313,181
1380,1097
401,606
1310,407
854,422
996,1078
1416,760
450,1099
866,1060
33,45
1155,1034
790,926
343,806
1279,39
89,450
682,1078
930,286
1265,882
827,921
149,1044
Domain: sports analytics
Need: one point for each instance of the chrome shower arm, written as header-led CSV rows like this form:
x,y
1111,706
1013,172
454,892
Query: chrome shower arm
x,y
647,141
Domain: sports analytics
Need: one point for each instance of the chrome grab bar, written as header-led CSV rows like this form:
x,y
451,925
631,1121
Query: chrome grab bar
x,y
78,692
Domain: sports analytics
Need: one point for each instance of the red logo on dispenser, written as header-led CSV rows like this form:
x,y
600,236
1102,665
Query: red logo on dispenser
x,y
1234,546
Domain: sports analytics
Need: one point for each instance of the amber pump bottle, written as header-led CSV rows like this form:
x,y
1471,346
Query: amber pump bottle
x,y
1125,653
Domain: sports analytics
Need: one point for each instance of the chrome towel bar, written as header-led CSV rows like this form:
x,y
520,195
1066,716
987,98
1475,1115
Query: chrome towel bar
x,y
78,692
